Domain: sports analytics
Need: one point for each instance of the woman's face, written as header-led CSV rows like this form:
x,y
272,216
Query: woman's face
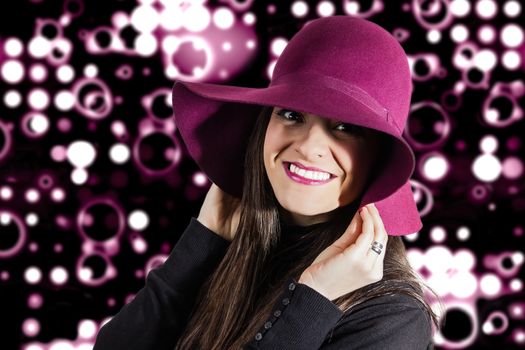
x,y
344,151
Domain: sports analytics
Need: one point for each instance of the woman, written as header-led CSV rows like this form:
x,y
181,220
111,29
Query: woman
x,y
280,258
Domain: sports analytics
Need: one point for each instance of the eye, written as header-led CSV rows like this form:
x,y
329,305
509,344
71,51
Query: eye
x,y
282,114
352,128
348,128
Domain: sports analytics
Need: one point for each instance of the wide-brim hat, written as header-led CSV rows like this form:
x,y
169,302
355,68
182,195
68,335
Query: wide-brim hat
x,y
341,67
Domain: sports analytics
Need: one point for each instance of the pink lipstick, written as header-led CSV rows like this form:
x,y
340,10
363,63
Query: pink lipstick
x,y
303,180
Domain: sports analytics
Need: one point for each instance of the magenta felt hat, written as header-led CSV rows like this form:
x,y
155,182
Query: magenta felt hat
x,y
340,67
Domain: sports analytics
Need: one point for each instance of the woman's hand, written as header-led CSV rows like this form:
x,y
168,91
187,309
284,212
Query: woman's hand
x,y
220,212
349,263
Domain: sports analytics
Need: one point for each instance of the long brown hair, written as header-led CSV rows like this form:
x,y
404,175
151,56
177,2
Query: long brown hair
x,y
244,287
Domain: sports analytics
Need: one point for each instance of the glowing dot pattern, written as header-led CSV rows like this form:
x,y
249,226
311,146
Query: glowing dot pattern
x,y
94,173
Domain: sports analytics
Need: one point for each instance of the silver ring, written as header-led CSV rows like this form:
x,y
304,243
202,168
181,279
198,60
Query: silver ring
x,y
377,244
376,249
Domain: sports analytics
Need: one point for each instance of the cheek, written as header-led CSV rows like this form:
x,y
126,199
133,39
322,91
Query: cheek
x,y
272,141
355,162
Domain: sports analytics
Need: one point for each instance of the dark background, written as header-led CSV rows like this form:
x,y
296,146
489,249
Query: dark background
x,y
169,195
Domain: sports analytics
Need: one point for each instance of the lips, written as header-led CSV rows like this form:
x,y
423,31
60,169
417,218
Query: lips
x,y
303,180
299,165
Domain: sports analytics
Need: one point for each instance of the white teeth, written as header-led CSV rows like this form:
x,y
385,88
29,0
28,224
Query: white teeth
x,y
313,175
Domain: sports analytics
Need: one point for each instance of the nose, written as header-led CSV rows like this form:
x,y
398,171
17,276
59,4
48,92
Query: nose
x,y
314,142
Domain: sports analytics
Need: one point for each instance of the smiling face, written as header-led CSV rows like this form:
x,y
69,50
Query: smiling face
x,y
345,152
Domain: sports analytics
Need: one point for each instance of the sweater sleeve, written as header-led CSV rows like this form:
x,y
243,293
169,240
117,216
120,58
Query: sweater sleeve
x,y
158,313
395,321
305,319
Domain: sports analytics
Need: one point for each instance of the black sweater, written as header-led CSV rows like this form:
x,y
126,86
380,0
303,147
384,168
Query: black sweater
x,y
303,318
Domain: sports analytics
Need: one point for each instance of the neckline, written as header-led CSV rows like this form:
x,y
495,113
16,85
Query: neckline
x,y
295,229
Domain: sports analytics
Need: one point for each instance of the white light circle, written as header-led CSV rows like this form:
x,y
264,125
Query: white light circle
x,y
65,73
33,275
438,234
39,123
433,36
12,99
57,194
464,260
489,144
416,259
32,195
512,8
6,193
490,284
435,167
12,71
171,18
145,19
146,44
81,154
438,259
79,176
459,33
325,8
91,70
59,275
64,100
138,220
38,72
486,9
39,47
278,45
485,60
511,59
87,329
486,34
196,18
299,9
459,8
223,18
512,35
440,283
13,47
249,18
463,233
487,167
119,153
226,46
463,284
31,219
38,99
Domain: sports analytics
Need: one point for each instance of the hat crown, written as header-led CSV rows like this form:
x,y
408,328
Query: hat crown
x,y
353,51
339,66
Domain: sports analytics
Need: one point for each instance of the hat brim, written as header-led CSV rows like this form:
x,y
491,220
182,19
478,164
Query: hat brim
x,y
213,118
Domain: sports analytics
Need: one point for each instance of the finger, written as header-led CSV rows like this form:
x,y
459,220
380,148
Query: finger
x,y
380,235
377,215
383,233
363,242
378,227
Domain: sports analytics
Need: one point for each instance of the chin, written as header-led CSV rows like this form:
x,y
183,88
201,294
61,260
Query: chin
x,y
306,210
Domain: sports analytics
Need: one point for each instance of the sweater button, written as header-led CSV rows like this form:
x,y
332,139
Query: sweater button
x,y
267,325
291,286
277,313
258,336
286,301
